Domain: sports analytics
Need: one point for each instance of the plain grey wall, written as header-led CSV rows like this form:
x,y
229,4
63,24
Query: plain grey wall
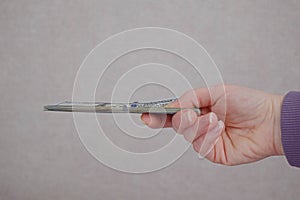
x,y
42,44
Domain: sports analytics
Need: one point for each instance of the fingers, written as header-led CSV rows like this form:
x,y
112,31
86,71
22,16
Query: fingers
x,y
157,120
183,119
192,126
204,98
202,131
205,144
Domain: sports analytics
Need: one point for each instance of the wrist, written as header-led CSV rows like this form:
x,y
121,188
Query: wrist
x,y
277,142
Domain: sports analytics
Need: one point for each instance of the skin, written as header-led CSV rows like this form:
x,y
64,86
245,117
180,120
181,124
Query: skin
x,y
237,125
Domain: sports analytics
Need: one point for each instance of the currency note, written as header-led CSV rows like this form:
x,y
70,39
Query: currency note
x,y
154,107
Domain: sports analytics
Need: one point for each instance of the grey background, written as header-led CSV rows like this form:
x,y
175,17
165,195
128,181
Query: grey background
x,y
42,44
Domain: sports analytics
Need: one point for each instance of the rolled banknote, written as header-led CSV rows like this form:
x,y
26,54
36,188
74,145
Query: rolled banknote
x,y
154,107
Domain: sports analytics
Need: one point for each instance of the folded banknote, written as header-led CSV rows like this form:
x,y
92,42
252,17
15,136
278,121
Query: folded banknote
x,y
155,107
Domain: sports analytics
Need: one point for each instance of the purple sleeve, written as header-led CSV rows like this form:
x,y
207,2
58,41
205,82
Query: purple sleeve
x,y
290,127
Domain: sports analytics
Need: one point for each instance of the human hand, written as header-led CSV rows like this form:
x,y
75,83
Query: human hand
x,y
237,125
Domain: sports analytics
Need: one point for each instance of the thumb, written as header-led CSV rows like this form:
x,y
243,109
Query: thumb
x,y
199,98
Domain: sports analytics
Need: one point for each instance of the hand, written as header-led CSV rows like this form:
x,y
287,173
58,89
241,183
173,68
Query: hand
x,y
248,131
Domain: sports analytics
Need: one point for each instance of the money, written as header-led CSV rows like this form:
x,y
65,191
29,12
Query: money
x,y
155,107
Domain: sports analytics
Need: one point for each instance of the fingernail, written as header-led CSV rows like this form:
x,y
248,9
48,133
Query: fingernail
x,y
145,119
220,124
170,105
191,116
212,117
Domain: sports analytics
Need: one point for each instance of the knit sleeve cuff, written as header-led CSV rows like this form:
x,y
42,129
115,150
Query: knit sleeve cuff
x,y
290,127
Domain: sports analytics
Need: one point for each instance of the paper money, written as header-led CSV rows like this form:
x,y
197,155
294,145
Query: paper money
x,y
156,107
